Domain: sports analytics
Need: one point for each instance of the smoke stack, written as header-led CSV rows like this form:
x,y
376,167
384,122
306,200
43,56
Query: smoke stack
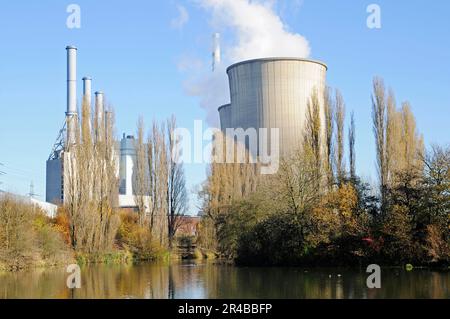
x,y
87,97
99,106
99,113
216,55
71,113
87,90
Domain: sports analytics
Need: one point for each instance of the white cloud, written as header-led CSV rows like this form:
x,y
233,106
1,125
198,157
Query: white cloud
x,y
182,19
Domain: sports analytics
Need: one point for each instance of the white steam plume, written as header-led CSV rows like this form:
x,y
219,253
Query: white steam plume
x,y
259,30
258,33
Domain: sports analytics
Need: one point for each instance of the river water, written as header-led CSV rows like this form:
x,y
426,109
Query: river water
x,y
207,280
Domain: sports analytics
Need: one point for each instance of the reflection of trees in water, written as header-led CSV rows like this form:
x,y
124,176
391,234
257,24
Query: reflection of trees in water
x,y
141,281
171,290
161,281
156,282
186,281
301,283
38,283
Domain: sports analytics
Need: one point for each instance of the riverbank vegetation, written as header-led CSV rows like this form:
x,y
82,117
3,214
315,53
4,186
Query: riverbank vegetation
x,y
89,227
96,228
317,211
28,237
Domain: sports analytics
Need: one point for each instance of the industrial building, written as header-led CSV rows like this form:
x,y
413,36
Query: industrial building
x,y
60,155
265,93
273,93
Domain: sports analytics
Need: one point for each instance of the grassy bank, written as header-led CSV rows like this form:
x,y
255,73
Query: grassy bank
x,y
120,257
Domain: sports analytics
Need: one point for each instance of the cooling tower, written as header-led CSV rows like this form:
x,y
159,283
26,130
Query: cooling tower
x,y
225,116
273,93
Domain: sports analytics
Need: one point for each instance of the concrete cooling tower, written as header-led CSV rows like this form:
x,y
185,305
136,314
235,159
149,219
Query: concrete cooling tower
x,y
273,93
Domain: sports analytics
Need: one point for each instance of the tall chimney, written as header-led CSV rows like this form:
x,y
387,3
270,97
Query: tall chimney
x,y
99,113
99,105
87,97
87,90
71,114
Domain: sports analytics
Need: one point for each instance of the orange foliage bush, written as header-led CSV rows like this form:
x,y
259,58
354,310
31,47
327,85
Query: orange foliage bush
x,y
62,224
338,209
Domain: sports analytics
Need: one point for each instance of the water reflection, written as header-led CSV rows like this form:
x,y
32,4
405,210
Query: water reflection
x,y
205,280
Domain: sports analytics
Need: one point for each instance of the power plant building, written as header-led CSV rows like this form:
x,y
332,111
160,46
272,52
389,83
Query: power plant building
x,y
273,93
270,93
56,166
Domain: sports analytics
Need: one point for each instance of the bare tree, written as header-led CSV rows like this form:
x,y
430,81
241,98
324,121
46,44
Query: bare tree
x,y
379,127
107,200
151,155
91,186
177,200
158,171
313,136
392,136
340,119
295,186
329,125
141,174
351,146
404,144
399,145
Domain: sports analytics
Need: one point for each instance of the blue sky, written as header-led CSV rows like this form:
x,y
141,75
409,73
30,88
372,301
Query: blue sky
x,y
133,51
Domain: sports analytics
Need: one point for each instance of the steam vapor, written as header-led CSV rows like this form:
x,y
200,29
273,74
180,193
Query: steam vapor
x,y
258,32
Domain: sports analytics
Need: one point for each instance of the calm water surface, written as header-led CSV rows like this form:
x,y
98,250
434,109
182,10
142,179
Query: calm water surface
x,y
206,280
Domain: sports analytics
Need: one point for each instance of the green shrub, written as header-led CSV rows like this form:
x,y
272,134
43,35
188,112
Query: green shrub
x,y
278,240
